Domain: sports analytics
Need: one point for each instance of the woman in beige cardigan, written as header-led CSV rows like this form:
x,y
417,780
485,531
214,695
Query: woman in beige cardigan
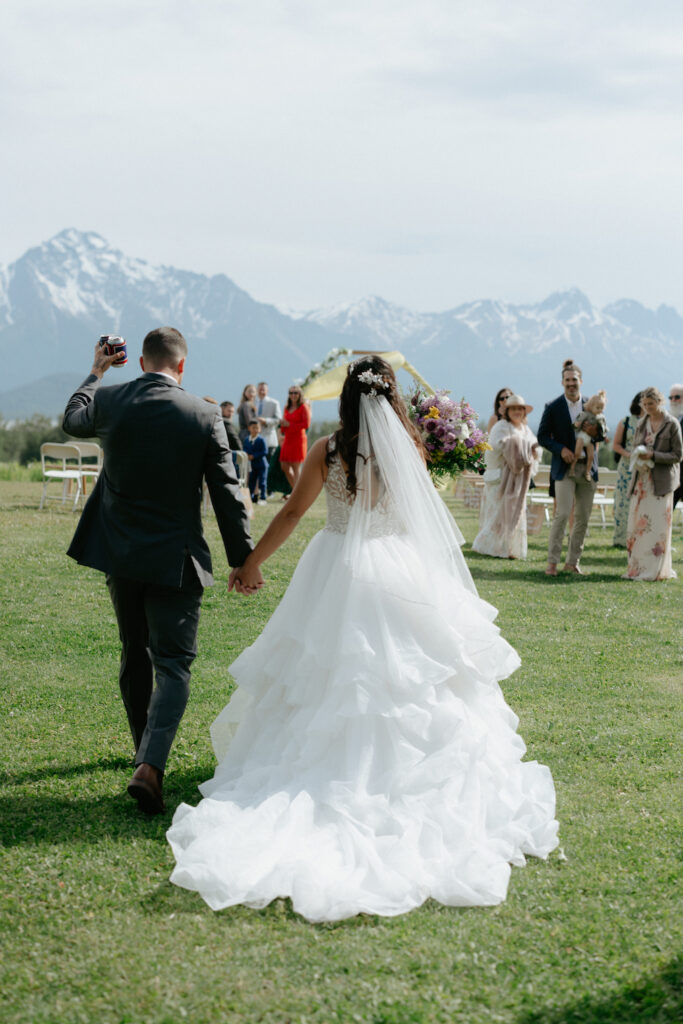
x,y
656,457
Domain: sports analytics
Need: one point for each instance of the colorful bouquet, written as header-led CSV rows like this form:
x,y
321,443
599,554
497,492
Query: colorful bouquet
x,y
450,433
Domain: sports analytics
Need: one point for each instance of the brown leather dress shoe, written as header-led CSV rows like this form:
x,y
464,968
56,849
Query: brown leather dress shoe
x,y
145,787
575,569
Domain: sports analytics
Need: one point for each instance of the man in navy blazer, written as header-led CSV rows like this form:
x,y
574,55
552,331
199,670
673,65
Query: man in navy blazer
x,y
556,433
142,527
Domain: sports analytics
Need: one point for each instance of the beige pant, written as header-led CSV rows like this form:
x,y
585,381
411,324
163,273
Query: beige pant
x,y
576,491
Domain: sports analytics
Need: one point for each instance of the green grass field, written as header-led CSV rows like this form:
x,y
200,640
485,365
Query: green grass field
x,y
92,930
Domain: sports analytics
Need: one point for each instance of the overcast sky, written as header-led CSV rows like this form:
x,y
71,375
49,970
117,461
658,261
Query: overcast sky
x,y
430,152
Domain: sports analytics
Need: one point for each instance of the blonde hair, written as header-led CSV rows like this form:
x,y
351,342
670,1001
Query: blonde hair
x,y
655,394
597,402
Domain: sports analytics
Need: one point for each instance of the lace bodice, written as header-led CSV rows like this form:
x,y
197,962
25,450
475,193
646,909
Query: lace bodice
x,y
384,517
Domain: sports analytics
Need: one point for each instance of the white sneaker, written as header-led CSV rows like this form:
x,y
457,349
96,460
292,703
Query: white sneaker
x,y
262,501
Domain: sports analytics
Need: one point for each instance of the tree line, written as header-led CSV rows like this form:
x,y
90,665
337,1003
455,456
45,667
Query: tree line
x,y
20,440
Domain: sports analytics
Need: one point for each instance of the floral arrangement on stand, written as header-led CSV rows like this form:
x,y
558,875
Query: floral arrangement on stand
x,y
450,433
328,363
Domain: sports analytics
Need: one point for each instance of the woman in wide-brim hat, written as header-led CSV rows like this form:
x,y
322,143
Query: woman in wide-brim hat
x,y
510,465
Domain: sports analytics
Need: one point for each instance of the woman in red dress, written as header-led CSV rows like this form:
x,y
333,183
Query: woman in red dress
x,y
296,419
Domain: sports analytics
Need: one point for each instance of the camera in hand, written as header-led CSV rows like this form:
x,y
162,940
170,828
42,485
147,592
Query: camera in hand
x,y
114,346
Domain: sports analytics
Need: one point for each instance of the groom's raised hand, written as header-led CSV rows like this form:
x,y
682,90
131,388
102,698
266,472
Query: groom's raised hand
x,y
102,361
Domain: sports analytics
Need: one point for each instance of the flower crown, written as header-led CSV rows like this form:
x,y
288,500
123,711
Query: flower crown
x,y
373,379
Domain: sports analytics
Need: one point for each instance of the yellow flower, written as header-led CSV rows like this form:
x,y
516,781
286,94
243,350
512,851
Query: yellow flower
x,y
483,446
433,413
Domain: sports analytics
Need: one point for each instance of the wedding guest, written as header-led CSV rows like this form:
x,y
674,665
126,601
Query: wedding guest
x,y
514,459
498,408
656,458
296,420
676,410
227,412
556,433
621,446
269,415
246,411
255,447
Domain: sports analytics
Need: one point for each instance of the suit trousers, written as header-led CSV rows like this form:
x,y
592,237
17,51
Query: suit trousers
x,y
158,630
571,491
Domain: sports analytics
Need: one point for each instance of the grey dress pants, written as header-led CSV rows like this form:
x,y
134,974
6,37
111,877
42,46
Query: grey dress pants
x,y
158,630
571,491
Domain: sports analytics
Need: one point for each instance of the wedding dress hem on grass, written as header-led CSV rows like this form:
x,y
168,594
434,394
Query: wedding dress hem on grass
x,y
367,760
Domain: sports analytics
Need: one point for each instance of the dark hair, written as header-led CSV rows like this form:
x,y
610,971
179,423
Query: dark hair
x,y
634,407
301,396
496,401
164,346
253,423
227,402
569,364
346,438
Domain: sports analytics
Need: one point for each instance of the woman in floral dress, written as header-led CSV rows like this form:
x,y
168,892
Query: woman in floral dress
x,y
622,445
656,457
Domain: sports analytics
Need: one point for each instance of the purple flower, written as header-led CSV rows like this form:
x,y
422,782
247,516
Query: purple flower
x,y
430,426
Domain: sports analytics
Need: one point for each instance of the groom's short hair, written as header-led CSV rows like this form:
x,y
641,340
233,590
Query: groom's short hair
x,y
164,346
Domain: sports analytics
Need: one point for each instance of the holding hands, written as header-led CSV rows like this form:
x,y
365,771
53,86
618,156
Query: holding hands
x,y
246,579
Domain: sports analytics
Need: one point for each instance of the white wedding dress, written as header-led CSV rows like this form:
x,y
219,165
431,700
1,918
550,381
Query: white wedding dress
x,y
367,760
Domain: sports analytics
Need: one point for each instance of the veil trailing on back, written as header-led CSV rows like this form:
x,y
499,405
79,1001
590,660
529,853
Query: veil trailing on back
x,y
394,489
367,760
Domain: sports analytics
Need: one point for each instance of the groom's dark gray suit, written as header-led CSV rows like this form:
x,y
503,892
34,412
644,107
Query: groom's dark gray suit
x,y
142,527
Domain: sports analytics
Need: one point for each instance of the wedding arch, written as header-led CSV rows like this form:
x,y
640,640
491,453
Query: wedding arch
x,y
324,384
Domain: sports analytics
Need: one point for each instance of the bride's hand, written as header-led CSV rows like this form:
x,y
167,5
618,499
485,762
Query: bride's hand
x,y
246,579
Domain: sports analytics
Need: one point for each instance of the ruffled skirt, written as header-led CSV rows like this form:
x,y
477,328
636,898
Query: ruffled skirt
x,y
367,760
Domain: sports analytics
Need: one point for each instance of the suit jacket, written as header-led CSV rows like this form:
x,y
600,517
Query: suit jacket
x,y
556,432
667,454
144,514
272,415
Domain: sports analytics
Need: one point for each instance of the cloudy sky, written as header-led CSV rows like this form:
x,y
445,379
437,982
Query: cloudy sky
x,y
430,152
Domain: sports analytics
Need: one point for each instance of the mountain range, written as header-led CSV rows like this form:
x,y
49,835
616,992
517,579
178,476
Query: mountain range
x,y
58,297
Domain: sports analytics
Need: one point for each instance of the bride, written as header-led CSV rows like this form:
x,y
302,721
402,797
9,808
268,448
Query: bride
x,y
367,760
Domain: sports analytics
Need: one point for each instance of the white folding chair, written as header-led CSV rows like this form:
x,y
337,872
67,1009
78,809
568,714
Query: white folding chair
x,y
89,470
242,468
61,462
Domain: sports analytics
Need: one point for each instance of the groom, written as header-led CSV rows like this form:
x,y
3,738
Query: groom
x,y
142,527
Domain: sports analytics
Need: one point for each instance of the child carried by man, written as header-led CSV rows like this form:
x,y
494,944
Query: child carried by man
x,y
593,416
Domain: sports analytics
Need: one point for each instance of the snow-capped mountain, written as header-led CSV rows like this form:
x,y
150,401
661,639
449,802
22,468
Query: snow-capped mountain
x,y
564,318
60,296
480,346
